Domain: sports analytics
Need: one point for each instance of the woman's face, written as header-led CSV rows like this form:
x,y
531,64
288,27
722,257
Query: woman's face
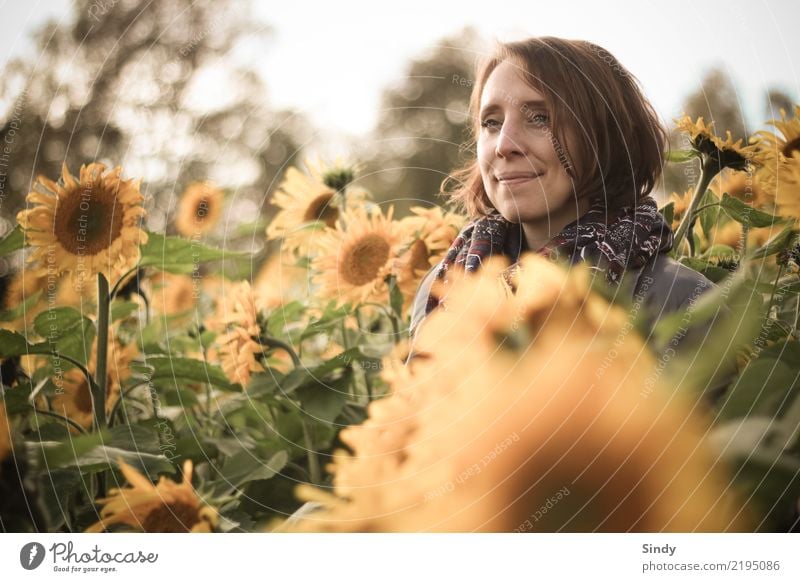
x,y
517,150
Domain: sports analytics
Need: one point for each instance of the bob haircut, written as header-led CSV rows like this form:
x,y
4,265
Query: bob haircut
x,y
617,141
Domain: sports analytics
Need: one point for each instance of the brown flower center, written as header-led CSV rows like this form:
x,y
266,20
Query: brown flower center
x,y
321,209
177,517
83,398
792,147
201,209
88,220
364,260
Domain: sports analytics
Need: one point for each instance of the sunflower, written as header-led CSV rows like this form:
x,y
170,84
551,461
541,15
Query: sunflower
x,y
73,397
199,209
352,265
173,294
303,202
437,229
488,430
237,320
727,153
166,507
86,226
430,233
5,433
787,144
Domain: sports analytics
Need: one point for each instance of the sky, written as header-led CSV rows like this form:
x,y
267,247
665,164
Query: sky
x,y
331,60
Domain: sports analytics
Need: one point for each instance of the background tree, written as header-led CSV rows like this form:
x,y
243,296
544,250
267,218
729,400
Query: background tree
x,y
151,86
423,123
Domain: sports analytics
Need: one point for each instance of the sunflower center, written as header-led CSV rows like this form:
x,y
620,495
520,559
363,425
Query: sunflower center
x,y
320,208
87,220
174,518
201,210
792,147
83,398
362,263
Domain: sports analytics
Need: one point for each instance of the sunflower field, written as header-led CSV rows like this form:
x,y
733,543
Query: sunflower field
x,y
148,386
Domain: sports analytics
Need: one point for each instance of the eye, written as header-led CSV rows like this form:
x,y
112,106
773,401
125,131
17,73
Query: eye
x,y
539,119
491,124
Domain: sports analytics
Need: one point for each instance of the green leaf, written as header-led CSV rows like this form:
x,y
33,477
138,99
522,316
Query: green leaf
x,y
16,400
13,241
776,243
713,272
176,370
121,309
70,332
746,214
245,466
14,344
90,454
395,297
181,256
324,402
763,472
681,156
764,388
709,216
283,315
668,212
21,309
301,376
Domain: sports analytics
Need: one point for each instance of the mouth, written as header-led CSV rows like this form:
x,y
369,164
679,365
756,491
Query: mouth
x,y
510,178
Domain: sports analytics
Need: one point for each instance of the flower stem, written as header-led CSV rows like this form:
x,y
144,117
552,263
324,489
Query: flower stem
x,y
101,375
64,419
707,173
313,461
274,343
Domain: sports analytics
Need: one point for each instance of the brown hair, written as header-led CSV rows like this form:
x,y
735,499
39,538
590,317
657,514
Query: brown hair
x,y
617,141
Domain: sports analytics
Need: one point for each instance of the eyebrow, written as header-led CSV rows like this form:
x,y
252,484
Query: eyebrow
x,y
532,104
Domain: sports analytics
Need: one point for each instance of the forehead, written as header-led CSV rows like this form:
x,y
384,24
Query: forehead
x,y
506,87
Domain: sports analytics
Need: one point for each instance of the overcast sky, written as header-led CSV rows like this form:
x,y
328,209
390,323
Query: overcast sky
x,y
364,46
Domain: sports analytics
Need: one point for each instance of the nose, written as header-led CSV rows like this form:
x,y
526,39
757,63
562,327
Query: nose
x,y
509,141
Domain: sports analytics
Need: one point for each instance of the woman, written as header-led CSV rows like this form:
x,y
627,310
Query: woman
x,y
568,150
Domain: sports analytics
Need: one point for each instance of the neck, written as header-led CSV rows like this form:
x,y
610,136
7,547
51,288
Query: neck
x,y
539,232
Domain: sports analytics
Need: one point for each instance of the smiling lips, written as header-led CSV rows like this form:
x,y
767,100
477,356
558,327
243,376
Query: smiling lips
x,y
510,178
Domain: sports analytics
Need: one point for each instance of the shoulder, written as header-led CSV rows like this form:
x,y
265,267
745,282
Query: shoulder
x,y
418,308
669,285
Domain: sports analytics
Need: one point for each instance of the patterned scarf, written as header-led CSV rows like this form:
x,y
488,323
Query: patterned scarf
x,y
614,241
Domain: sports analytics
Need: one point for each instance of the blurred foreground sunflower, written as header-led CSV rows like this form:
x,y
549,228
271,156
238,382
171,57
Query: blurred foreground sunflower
x,y
353,264
166,507
85,226
199,210
531,413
